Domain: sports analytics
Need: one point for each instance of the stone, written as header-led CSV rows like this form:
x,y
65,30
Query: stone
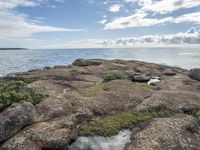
x,y
82,62
176,132
14,118
195,74
141,78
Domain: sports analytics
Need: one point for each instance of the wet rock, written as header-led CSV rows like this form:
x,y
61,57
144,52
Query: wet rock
x,y
15,118
82,62
195,74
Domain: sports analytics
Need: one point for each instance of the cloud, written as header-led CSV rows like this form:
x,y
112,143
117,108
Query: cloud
x,y
115,8
190,37
17,25
141,19
166,6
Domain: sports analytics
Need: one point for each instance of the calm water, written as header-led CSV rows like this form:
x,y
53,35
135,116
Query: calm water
x,y
23,60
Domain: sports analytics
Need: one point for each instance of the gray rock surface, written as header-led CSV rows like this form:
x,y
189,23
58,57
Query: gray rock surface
x,y
14,118
195,74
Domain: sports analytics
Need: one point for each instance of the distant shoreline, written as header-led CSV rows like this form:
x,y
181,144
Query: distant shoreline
x,y
13,49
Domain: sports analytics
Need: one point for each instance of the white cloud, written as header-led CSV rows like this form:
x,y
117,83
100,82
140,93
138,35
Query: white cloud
x,y
140,19
18,25
166,6
115,8
190,37
103,21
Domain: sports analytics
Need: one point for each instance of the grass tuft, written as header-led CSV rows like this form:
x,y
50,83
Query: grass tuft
x,y
142,85
93,90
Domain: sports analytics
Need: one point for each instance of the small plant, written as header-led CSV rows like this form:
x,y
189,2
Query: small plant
x,y
142,85
195,112
111,125
93,90
18,91
112,76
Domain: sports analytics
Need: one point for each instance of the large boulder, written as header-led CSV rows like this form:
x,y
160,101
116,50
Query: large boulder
x,y
15,118
195,74
50,135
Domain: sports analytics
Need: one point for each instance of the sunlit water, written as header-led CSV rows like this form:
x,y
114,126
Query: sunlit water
x,y
116,142
23,60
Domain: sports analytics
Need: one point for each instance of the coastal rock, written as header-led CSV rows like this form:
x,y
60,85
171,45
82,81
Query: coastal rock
x,y
174,133
14,118
90,90
175,101
169,72
195,74
82,62
54,134
141,78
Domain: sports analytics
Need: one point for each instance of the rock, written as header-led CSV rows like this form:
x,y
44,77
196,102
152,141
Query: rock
x,y
141,78
82,62
14,118
195,74
172,100
54,134
169,72
173,133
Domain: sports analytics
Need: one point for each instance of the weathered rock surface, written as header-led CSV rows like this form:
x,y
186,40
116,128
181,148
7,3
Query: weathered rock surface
x,y
195,74
175,133
14,118
78,94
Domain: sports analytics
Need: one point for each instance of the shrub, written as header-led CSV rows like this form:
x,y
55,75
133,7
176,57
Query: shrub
x,y
111,125
112,76
18,91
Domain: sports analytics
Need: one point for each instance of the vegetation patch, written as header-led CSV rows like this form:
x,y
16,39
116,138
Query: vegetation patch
x,y
194,112
111,125
142,85
112,76
92,91
17,91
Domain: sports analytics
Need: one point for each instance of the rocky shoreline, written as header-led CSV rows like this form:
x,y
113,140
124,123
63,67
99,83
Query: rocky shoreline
x,y
47,109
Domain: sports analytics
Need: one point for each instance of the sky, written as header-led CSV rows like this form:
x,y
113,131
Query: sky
x,y
99,23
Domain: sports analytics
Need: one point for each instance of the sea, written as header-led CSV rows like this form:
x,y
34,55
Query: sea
x,y
12,61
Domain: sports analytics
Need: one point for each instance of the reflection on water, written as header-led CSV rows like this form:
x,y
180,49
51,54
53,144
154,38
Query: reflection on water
x,y
23,60
117,142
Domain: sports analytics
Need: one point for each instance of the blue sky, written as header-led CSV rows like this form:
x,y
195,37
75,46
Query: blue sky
x,y
99,23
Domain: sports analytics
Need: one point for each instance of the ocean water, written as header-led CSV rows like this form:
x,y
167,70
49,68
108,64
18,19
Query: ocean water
x,y
22,60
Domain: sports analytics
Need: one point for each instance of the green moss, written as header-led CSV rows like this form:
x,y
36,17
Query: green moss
x,y
93,90
111,125
142,85
17,91
112,76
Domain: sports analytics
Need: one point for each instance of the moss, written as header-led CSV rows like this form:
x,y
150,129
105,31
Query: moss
x,y
111,125
142,85
17,91
112,76
92,91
